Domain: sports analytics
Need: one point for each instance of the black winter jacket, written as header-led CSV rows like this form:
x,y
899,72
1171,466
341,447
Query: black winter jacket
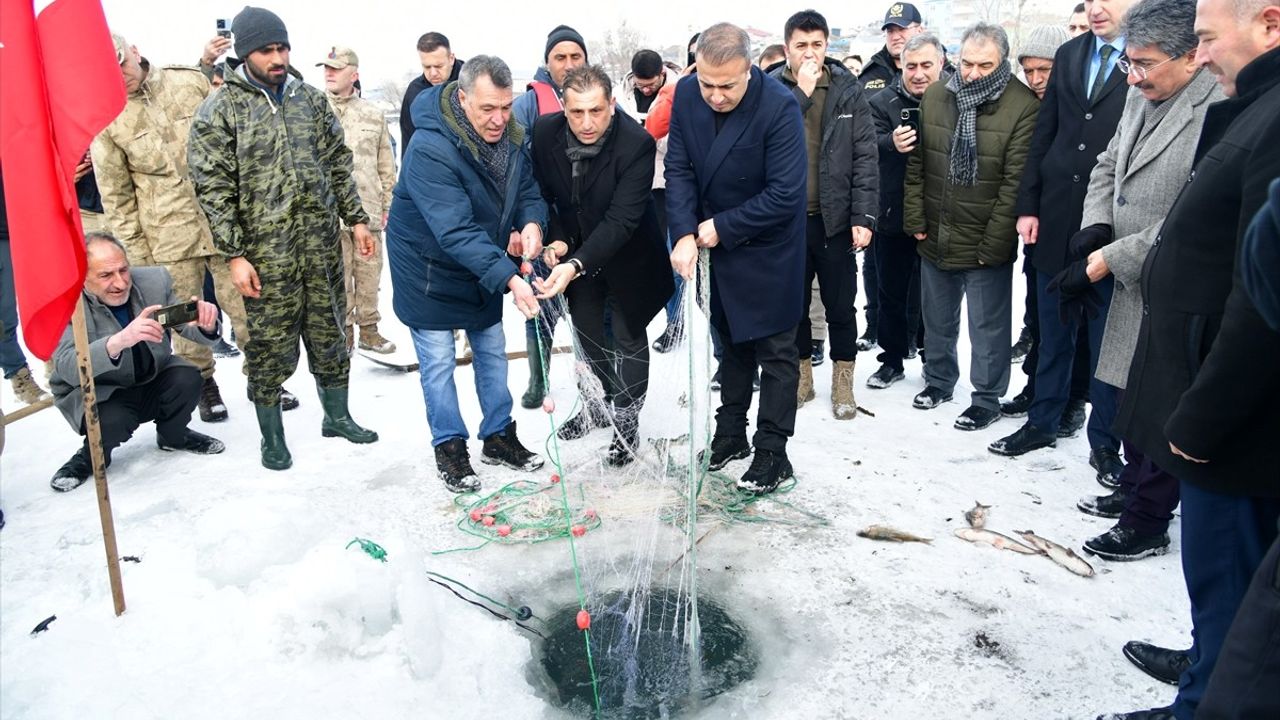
x,y
879,73
886,111
416,86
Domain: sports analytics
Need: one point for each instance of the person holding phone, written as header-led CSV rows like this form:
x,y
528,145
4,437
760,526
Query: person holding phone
x,y
137,376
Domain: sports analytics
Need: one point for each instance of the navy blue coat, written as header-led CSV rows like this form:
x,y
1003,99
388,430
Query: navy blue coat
x,y
449,222
751,177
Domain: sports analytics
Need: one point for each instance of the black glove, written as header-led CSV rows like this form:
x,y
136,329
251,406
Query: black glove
x,y
1089,239
1076,293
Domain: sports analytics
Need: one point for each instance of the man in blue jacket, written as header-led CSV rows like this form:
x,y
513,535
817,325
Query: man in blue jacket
x,y
736,174
465,206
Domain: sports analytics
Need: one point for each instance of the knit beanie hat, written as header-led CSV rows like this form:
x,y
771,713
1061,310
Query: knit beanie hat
x,y
561,34
255,28
1043,42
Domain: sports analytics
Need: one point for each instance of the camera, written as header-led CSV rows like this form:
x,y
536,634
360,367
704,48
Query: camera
x,y
224,27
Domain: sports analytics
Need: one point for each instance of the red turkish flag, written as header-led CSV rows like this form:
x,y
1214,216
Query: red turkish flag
x,y
60,85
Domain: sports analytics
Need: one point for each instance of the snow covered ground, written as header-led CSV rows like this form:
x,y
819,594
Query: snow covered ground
x,y
246,605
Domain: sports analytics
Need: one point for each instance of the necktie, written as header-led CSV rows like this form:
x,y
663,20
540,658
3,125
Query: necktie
x,y
1101,78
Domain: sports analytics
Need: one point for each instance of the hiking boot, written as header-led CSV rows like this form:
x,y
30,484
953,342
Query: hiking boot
x,y
275,454
768,470
73,473
804,390
25,387
1019,351
372,340
504,448
818,355
1024,440
224,349
725,450
1072,419
583,423
976,418
537,389
1104,506
1020,405
453,465
1122,544
669,338
1109,466
884,377
288,401
930,398
192,442
212,409
843,406
337,418
1160,663
626,439
867,341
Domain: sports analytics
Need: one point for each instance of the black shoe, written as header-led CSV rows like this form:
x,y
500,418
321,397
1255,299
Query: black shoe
x,y
504,448
626,439
587,419
212,409
1104,506
930,398
912,351
1121,544
1109,466
1019,351
224,349
193,442
670,338
976,418
453,464
1160,663
715,380
725,450
1164,713
818,354
755,383
867,341
288,401
73,473
1026,439
768,470
1072,419
1020,405
884,377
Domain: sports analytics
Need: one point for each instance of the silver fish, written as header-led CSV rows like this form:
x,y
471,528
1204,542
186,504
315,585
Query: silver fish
x,y
977,517
884,532
1064,556
994,539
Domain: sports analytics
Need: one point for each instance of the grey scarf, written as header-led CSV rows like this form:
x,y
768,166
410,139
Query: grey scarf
x,y
580,156
964,144
494,157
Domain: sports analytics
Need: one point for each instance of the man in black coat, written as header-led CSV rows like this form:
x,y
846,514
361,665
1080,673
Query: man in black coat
x,y
1080,113
1202,388
607,255
841,197
439,66
736,184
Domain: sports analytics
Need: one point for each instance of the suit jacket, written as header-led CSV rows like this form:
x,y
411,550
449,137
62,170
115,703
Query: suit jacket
x,y
1203,375
613,228
750,177
1132,191
1070,134
151,286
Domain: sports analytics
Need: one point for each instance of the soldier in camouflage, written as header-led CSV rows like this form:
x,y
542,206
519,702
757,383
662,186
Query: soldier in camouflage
x,y
375,171
274,178
140,161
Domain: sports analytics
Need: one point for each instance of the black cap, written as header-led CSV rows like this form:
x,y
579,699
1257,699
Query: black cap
x,y
902,15
255,28
564,33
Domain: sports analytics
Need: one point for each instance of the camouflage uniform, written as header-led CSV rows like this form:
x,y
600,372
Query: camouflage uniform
x,y
140,160
274,179
366,134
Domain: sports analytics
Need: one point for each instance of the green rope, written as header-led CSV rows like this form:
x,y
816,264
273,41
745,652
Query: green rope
x,y
371,548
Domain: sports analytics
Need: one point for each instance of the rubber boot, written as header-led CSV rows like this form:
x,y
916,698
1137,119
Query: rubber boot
x,y
804,390
337,419
537,389
275,454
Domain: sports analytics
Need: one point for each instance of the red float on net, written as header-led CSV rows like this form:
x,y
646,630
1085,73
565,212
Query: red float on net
x,y
526,268
555,478
578,530
584,619
548,405
488,521
504,530
475,515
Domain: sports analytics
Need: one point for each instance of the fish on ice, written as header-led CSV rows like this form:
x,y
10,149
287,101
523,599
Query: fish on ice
x,y
884,532
977,517
994,539
1064,556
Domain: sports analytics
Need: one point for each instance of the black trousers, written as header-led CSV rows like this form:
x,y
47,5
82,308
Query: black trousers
x,y
1151,493
621,360
871,284
830,259
1080,377
778,359
898,272
168,400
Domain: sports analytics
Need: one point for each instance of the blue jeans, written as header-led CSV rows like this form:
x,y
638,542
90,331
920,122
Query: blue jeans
x,y
435,350
673,305
11,357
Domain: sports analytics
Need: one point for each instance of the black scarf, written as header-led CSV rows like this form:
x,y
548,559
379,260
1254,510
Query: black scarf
x,y
964,144
580,156
495,157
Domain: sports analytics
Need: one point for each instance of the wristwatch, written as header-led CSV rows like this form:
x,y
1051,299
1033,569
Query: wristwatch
x,y
577,265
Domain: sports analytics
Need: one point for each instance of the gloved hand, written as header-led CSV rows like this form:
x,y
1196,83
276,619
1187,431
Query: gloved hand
x,y
1086,240
1076,293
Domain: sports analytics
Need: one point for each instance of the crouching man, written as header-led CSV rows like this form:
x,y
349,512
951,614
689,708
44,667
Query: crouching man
x,y
137,377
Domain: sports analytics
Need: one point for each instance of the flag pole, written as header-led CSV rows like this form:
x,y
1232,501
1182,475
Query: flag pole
x,y
93,436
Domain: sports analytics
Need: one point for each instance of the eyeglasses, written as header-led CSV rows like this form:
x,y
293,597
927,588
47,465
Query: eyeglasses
x,y
1128,67
652,84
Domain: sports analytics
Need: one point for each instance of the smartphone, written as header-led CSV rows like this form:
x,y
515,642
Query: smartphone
x,y
175,315
911,118
224,27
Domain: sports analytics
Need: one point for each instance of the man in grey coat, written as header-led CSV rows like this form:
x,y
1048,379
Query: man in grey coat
x,y
1131,190
136,375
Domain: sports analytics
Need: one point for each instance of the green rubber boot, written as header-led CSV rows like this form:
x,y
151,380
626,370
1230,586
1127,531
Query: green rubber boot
x,y
537,389
337,420
275,454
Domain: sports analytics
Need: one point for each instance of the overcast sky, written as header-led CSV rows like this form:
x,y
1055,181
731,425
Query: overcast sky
x,y
383,32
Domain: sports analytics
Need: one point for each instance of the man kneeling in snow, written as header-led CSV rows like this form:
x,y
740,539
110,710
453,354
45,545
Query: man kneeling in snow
x,y
137,377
